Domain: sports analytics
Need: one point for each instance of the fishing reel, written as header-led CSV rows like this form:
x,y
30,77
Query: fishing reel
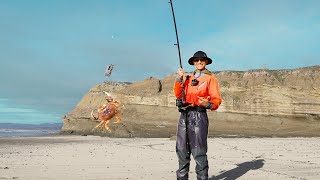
x,y
179,102
194,82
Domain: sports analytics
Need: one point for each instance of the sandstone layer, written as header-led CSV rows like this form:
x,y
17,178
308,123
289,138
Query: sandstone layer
x,y
266,103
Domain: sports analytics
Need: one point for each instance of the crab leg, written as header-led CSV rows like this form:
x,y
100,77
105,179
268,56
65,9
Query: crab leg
x,y
118,119
106,126
99,124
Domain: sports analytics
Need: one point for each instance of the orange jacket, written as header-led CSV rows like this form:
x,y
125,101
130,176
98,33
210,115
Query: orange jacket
x,y
208,86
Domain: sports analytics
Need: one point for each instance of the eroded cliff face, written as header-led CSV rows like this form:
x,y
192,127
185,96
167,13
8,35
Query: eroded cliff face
x,y
255,103
271,92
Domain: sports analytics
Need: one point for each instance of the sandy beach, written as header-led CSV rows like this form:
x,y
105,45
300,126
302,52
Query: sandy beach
x,y
93,157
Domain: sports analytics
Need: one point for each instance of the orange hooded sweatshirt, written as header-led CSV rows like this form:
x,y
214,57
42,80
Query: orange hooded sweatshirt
x,y
208,86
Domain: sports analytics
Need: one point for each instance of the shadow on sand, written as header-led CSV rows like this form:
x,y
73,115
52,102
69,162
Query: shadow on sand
x,y
240,170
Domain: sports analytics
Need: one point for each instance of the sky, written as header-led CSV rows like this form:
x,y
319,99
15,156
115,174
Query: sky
x,y
52,52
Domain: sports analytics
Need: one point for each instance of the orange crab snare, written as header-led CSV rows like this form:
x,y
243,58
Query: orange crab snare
x,y
107,111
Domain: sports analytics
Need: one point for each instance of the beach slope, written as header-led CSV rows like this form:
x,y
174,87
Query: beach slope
x,y
93,157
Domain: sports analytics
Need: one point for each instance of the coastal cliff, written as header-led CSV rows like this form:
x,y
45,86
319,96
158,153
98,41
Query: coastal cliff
x,y
260,102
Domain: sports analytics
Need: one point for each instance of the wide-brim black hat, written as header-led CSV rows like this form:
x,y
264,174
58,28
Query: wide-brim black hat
x,y
199,55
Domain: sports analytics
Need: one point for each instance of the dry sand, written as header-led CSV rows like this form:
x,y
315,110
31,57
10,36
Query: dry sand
x,y
93,157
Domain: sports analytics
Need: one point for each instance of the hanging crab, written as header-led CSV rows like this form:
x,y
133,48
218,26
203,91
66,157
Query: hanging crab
x,y
107,111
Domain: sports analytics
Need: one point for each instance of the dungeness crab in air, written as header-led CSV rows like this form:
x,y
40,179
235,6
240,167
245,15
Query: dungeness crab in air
x,y
107,111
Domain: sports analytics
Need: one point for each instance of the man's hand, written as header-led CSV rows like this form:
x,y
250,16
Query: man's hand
x,y
204,101
180,73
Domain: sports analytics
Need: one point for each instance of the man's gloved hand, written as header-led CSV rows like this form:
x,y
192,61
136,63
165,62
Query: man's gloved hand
x,y
204,101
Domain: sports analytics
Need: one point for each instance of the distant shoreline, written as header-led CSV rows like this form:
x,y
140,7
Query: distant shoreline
x,y
29,130
31,126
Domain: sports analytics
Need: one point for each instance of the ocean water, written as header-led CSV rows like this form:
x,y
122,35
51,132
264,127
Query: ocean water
x,y
26,133
34,111
28,130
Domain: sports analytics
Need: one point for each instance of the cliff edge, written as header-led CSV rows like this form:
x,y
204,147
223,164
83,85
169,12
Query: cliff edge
x,y
262,102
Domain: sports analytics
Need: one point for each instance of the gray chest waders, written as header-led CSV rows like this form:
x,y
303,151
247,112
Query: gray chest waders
x,y
192,135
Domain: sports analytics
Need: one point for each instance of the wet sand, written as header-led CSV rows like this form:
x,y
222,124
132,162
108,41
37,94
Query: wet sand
x,y
93,157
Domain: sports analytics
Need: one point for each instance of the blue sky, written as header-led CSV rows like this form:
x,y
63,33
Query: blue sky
x,y
52,52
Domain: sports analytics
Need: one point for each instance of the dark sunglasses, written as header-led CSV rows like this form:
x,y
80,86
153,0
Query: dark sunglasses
x,y
197,60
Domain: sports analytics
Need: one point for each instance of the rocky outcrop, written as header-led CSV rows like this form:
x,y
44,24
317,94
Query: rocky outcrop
x,y
255,103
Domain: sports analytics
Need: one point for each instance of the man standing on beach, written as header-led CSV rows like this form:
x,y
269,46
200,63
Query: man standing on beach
x,y
195,94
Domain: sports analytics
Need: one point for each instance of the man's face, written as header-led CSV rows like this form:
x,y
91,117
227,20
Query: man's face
x,y
200,63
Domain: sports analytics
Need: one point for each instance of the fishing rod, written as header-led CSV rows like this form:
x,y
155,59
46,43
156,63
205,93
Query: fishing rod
x,y
175,27
179,102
